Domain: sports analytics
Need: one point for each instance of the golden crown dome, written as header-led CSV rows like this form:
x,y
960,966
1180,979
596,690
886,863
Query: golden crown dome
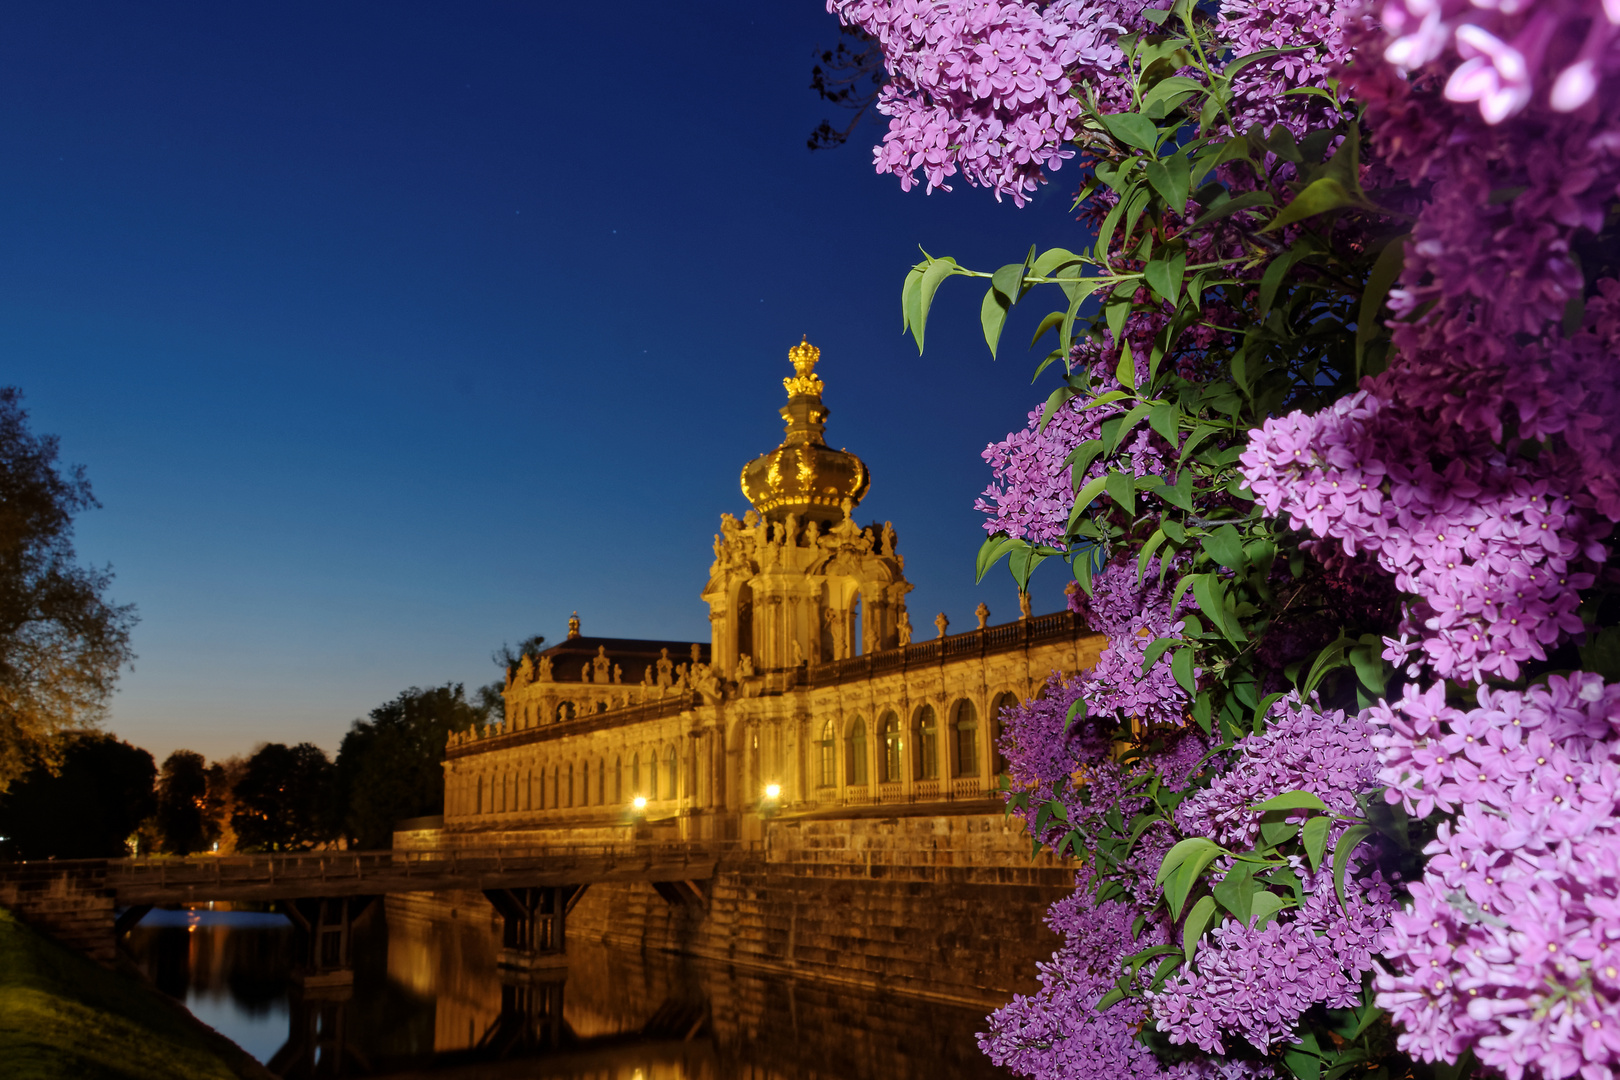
x,y
804,476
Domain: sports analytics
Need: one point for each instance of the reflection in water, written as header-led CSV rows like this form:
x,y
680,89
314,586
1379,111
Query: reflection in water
x,y
427,997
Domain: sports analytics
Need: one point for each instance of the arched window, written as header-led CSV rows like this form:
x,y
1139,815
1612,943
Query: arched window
x,y
480,804
601,781
855,746
618,780
890,741
827,756
526,792
669,774
1003,703
965,738
556,786
927,744
635,775
570,785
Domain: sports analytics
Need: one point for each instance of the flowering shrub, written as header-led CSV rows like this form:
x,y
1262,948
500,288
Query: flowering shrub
x,y
1332,458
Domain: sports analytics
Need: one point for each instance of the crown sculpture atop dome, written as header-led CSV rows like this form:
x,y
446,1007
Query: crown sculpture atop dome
x,y
804,380
804,476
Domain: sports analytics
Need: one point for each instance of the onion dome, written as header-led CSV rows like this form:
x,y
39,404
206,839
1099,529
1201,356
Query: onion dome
x,y
804,476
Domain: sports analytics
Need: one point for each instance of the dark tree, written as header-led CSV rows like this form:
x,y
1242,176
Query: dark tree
x,y
61,641
88,808
285,799
849,75
187,819
389,767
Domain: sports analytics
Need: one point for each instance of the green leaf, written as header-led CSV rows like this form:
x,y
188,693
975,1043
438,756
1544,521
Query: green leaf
x,y
1085,497
1145,555
1368,660
1122,489
1171,87
1275,271
1227,207
1055,401
1314,837
1081,457
1109,1000
1601,653
1353,836
1181,666
1174,530
1225,546
1210,592
1022,562
1290,800
1164,275
1303,1066
1079,707
1009,280
923,298
1265,906
1380,279
1165,418
1319,197
990,553
1052,260
1152,653
1133,130
992,316
1053,320
1125,370
1185,877
1197,920
1327,660
1279,832
1171,179
1193,847
1236,891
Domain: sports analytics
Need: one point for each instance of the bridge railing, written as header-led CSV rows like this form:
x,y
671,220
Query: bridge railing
x,y
349,865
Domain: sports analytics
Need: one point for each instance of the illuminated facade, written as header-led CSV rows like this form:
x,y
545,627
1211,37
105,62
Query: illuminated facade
x,y
810,694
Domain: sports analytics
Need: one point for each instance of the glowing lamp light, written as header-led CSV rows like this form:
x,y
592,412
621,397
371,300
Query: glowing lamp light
x,y
773,791
639,802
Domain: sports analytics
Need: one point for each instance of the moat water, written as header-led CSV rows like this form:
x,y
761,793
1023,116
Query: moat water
x,y
429,998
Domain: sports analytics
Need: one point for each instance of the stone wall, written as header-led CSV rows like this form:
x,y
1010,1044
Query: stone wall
x,y
69,901
946,907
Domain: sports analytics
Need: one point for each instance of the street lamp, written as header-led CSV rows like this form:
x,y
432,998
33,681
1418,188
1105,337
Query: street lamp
x,y
773,791
639,802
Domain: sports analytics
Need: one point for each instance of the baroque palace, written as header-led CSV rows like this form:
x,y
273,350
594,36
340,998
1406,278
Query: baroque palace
x,y
811,696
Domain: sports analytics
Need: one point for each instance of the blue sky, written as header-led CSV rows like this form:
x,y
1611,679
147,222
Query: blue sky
x,y
389,332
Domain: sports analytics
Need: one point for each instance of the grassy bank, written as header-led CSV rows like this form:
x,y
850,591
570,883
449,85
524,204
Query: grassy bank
x,y
63,1016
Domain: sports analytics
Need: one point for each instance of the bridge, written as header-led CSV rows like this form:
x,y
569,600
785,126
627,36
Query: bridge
x,y
91,903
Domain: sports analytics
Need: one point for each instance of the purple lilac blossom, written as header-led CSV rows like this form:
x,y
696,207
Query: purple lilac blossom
x,y
1256,982
1512,941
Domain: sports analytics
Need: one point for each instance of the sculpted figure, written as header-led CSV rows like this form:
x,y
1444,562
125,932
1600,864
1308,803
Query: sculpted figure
x,y
666,667
601,663
798,653
904,628
983,612
835,623
545,669
745,666
618,673
888,538
697,652
942,622
525,671
585,672
647,678
812,532
791,532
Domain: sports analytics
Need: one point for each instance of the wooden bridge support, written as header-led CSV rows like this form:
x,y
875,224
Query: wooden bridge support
x,y
324,937
531,1017
534,923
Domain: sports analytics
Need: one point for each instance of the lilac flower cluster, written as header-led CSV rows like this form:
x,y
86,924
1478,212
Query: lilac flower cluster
x,y
1033,491
984,86
1057,1033
1488,540
1512,942
1302,749
1256,982
1133,614
1503,55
